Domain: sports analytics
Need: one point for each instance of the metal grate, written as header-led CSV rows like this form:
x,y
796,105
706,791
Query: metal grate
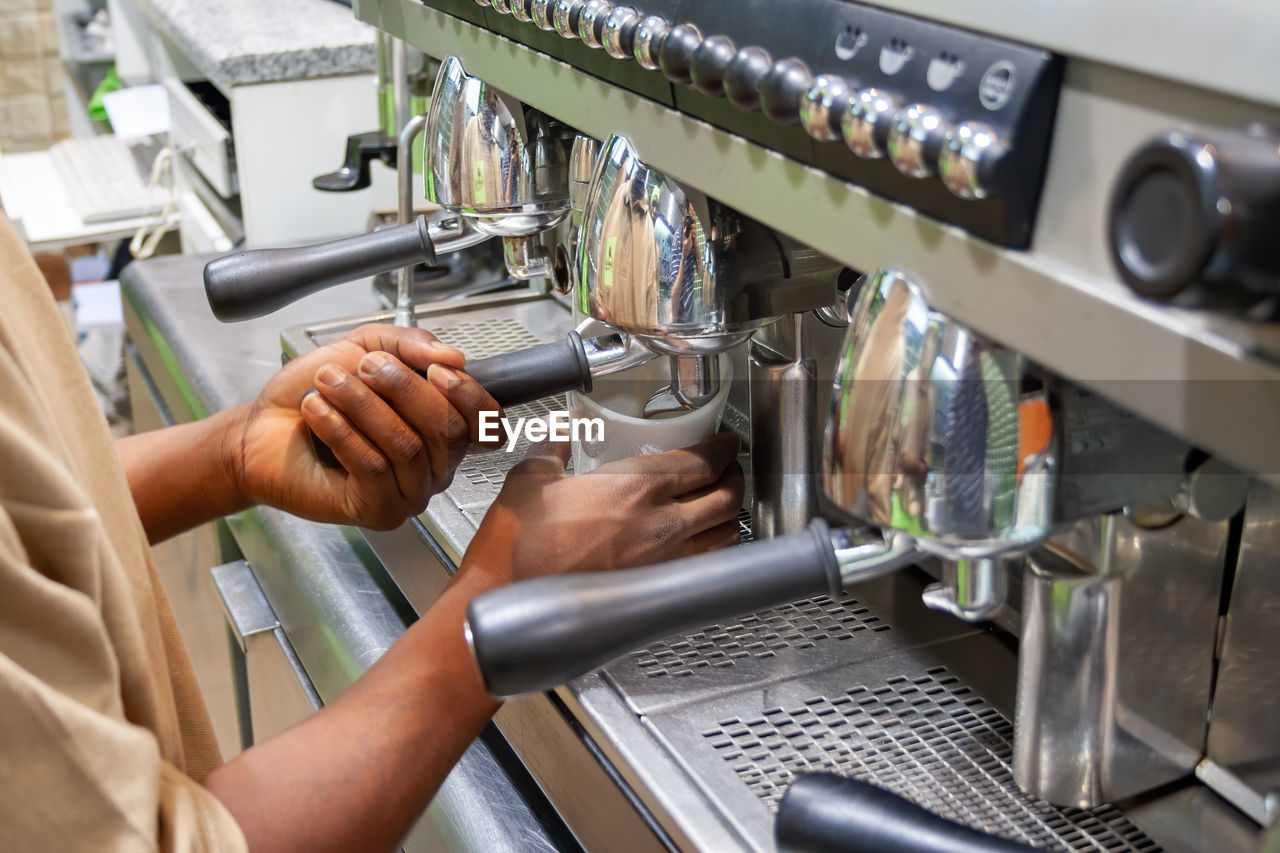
x,y
480,339
931,740
490,336
800,624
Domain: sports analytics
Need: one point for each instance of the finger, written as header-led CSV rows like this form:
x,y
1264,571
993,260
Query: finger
x,y
677,472
354,452
402,446
715,504
472,402
417,348
443,431
720,536
544,458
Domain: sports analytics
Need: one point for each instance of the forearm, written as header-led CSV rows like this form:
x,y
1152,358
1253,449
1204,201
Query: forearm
x,y
182,476
356,775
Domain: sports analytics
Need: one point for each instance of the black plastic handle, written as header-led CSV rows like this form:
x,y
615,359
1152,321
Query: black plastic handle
x,y
821,813
536,634
353,174
534,372
250,284
518,377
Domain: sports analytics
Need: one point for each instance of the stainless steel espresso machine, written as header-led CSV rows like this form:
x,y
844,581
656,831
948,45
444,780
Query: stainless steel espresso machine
x,y
1002,286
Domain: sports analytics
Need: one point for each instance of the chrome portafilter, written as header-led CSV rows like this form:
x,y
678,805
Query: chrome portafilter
x,y
689,277
497,170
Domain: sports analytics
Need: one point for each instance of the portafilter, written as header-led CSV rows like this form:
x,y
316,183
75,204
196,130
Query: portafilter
x,y
675,273
497,169
931,438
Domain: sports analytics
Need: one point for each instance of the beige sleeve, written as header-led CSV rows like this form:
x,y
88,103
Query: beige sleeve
x,y
75,772
76,775
75,779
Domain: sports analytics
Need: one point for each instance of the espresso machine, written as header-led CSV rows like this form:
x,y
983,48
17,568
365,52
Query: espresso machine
x,y
1002,291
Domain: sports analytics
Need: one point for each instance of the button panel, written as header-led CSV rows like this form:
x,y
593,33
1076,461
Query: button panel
x,y
951,122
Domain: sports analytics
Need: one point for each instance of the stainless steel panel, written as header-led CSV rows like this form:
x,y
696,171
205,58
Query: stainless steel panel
x,y
1116,662
280,694
1244,736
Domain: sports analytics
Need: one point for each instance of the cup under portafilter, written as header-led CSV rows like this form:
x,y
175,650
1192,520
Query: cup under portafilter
x,y
497,169
936,438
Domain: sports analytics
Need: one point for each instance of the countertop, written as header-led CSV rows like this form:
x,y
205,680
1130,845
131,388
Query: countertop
x,y
325,585
241,42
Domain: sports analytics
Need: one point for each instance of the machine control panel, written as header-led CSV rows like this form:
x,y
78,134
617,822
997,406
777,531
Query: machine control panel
x,y
953,123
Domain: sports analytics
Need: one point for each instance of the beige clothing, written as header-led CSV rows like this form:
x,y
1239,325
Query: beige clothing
x,y
103,733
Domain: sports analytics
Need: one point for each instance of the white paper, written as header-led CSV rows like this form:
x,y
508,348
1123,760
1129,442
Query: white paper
x,y
137,111
97,304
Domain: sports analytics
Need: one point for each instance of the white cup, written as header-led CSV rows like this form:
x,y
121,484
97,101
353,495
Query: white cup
x,y
618,401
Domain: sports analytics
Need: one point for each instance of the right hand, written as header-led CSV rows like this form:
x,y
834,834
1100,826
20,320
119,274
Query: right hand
x,y
633,512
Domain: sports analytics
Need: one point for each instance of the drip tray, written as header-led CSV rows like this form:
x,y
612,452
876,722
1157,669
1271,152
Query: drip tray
x,y
918,723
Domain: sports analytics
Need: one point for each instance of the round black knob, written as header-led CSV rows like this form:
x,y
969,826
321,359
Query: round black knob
x,y
677,52
709,63
1192,210
743,77
782,90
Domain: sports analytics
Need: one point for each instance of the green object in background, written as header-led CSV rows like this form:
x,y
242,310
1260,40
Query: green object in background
x,y
96,110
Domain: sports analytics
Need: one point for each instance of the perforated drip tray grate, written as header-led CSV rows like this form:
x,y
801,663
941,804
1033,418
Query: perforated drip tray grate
x,y
799,625
758,648
907,723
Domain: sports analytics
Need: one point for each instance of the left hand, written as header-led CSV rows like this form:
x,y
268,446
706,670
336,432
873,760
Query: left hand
x,y
398,436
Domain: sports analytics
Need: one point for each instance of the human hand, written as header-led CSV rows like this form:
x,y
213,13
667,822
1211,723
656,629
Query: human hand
x,y
398,436
632,512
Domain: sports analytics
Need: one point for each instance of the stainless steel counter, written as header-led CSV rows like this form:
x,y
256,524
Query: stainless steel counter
x,y
327,589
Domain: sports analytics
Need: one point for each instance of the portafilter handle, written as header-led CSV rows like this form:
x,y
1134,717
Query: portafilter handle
x,y
255,282
536,634
821,813
518,377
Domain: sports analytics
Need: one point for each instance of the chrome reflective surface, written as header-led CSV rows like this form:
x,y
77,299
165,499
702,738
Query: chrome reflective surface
x,y
1244,740
924,430
785,429
652,254
915,141
489,160
965,164
520,10
591,22
542,12
650,35
866,122
562,14
972,590
818,110
1116,659
619,19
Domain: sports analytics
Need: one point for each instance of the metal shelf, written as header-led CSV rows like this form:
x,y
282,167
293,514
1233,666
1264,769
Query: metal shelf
x,y
1213,380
